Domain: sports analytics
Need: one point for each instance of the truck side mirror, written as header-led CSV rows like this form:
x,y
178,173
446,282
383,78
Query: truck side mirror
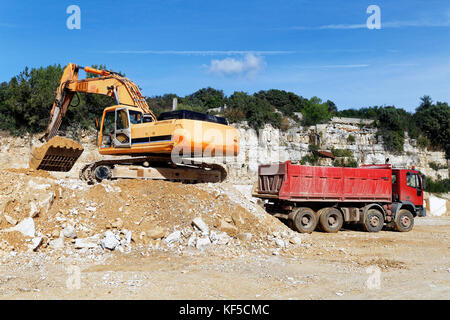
x,y
96,123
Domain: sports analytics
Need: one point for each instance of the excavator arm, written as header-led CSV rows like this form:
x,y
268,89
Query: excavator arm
x,y
60,154
109,83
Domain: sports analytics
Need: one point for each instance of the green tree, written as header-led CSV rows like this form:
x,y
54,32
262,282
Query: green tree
x,y
434,122
204,99
286,102
315,112
159,104
257,111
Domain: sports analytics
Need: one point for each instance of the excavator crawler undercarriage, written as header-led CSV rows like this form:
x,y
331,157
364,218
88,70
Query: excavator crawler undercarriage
x,y
156,168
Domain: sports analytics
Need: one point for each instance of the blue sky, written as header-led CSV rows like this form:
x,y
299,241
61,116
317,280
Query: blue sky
x,y
313,48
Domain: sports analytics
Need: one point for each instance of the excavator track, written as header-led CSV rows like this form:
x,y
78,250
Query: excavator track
x,y
152,167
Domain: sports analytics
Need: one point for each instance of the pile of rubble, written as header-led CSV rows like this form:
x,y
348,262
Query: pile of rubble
x,y
44,214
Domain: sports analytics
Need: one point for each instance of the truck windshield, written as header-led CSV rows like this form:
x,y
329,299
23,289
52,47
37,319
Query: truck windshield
x,y
412,180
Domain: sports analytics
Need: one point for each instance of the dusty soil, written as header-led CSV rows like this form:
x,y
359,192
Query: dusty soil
x,y
414,265
268,265
244,252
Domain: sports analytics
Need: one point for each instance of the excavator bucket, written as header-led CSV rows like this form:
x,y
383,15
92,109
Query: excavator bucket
x,y
58,154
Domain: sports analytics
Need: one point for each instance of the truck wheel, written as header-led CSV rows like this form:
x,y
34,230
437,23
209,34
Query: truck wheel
x,y
373,221
404,221
304,220
318,214
331,220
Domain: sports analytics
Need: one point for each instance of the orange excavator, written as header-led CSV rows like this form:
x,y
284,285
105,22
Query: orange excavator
x,y
165,147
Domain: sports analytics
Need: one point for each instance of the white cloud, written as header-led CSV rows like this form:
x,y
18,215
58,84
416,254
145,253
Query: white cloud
x,y
336,66
384,25
249,65
200,52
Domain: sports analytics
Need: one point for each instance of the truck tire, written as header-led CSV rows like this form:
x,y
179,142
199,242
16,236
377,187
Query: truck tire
x,y
331,220
305,220
373,221
318,214
404,221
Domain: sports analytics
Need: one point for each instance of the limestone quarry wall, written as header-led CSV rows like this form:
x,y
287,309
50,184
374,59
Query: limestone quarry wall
x,y
273,145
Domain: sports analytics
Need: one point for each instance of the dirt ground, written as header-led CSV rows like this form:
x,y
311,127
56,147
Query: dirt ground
x,y
63,239
414,265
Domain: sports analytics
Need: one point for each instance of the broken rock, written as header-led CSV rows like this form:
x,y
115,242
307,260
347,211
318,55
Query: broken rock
x,y
57,243
220,238
10,220
280,243
34,210
109,241
203,243
237,218
82,243
201,225
69,232
26,227
173,237
35,243
230,229
295,240
118,223
245,236
156,233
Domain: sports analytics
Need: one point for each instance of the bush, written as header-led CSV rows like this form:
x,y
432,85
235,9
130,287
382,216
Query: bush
x,y
351,138
309,159
423,142
341,153
234,115
393,141
346,162
436,166
313,148
438,186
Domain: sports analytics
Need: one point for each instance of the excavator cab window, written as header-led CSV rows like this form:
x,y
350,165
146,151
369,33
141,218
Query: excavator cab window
x,y
147,118
135,117
108,129
123,129
122,119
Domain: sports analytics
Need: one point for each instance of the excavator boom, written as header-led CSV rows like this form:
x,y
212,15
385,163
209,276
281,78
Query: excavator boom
x,y
109,83
60,154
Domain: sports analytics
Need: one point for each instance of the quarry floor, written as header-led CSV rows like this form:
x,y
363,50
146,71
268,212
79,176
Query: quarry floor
x,y
348,265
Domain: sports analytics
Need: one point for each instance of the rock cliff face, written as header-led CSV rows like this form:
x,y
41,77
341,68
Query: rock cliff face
x,y
273,145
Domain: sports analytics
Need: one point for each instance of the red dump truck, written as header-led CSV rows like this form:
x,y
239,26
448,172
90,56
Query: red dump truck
x,y
328,197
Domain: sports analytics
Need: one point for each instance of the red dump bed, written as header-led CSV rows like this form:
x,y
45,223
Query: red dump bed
x,y
306,183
